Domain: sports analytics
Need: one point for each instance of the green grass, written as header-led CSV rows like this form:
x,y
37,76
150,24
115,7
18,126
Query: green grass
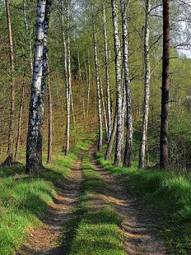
x,y
24,200
168,193
98,231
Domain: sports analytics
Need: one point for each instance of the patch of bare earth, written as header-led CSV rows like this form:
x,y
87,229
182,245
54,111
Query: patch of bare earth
x,y
140,229
46,240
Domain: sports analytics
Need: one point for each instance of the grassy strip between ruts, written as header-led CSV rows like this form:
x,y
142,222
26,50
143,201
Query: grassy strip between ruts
x,y
98,231
24,199
168,193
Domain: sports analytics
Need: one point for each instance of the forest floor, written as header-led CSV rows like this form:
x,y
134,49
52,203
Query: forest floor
x,y
93,214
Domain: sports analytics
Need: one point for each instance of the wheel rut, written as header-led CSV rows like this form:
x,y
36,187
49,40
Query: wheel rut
x,y
46,240
140,230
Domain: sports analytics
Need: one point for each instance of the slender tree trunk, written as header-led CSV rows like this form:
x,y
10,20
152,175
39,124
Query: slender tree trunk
x,y
129,138
147,74
82,85
107,78
68,78
28,35
89,84
50,123
100,138
20,120
9,159
111,140
119,93
104,110
165,87
36,111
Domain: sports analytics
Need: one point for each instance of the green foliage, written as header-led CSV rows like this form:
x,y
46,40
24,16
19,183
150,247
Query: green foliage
x,y
168,193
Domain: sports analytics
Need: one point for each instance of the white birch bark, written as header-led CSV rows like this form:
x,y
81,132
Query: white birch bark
x,y
107,77
99,108
36,112
117,49
147,77
129,121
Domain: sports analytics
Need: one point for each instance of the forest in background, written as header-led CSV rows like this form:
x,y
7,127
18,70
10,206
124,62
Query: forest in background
x,y
112,73
83,73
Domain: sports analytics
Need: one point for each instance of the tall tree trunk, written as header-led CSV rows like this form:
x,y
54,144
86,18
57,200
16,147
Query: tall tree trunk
x,y
36,111
67,71
107,78
129,138
119,93
100,137
165,87
20,119
50,123
9,158
89,84
147,77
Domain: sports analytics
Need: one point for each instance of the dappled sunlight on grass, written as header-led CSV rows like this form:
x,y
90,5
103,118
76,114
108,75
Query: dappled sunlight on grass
x,y
98,232
24,199
168,193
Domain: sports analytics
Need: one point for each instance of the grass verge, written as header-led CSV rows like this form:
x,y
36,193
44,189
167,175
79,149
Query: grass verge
x,y
166,192
98,231
24,199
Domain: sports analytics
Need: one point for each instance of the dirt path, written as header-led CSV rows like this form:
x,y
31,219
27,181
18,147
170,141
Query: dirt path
x,y
140,231
46,240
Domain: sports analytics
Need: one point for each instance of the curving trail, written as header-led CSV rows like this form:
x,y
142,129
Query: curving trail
x,y
46,240
140,230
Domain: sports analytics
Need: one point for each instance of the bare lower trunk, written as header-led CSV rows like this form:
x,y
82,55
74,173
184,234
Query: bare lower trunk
x,y
89,84
111,140
20,120
107,78
12,70
99,108
165,88
129,137
104,110
117,48
36,111
50,123
146,88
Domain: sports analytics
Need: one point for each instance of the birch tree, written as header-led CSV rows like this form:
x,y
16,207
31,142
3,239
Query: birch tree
x,y
99,103
36,110
107,77
119,92
147,77
129,138
165,87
